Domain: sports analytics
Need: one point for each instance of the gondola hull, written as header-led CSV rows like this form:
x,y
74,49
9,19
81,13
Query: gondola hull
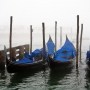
x,y
62,58
88,62
53,64
30,67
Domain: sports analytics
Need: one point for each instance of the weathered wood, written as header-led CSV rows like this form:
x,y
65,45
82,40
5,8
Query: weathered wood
x,y
2,56
13,54
2,60
55,36
60,36
10,37
18,51
31,38
77,41
43,32
26,48
81,40
21,52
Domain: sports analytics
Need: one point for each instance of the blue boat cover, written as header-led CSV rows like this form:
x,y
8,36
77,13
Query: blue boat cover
x,y
50,46
36,52
27,55
28,58
44,52
66,53
88,54
23,61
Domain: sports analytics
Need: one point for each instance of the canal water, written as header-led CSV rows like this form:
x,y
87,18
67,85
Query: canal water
x,y
69,79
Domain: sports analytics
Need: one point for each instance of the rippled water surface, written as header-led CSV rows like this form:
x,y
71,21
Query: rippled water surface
x,y
69,79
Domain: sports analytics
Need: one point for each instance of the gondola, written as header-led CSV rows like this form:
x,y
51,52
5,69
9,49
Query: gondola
x,y
63,57
30,62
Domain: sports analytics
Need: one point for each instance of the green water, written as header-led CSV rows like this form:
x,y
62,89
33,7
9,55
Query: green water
x,y
72,79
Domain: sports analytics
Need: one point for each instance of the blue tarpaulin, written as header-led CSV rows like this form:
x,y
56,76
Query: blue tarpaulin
x,y
66,53
88,54
24,61
28,58
50,46
36,52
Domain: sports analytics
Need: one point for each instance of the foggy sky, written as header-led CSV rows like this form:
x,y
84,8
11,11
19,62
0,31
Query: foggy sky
x,y
34,12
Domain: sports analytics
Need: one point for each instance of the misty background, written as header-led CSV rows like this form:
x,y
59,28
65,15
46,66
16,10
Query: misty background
x,y
34,12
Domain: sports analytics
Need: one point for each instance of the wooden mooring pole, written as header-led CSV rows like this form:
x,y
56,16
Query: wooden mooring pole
x,y
60,36
31,30
77,41
55,36
43,32
81,40
10,39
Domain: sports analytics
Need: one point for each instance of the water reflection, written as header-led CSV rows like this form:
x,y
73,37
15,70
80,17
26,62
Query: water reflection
x,y
66,79
2,79
2,74
87,78
18,78
57,75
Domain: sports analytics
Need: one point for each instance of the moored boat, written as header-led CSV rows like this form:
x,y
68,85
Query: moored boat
x,y
64,57
30,62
